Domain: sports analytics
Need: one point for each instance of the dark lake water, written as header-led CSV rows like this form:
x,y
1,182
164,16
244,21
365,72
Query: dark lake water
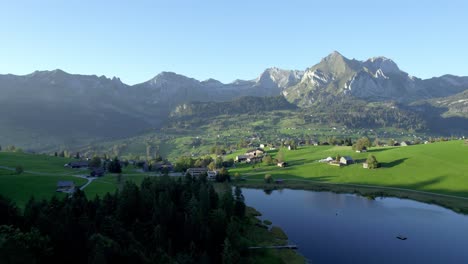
x,y
346,228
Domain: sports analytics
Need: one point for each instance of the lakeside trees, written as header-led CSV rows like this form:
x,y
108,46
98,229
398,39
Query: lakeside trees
x,y
162,221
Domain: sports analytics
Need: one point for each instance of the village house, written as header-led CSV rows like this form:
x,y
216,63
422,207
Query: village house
x,y
254,159
241,158
197,172
65,186
405,143
346,160
211,175
77,164
255,152
282,164
262,146
326,160
97,172
251,156
364,149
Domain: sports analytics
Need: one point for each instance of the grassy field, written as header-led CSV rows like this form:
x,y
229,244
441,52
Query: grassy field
x,y
109,183
41,174
438,167
21,187
34,162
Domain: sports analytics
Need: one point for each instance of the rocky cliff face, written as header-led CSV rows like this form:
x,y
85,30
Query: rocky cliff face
x,y
376,79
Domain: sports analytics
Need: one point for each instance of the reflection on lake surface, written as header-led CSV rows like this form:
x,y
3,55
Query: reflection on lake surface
x,y
346,228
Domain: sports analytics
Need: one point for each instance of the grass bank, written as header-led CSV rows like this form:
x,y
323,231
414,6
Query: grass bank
x,y
260,234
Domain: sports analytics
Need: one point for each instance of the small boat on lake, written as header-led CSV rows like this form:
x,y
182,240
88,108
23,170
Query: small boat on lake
x,y
401,237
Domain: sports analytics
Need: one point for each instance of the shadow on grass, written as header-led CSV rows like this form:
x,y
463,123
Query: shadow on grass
x,y
392,163
372,150
296,162
420,185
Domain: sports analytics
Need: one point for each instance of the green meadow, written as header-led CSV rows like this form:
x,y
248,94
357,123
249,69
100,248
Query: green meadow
x,y
41,174
21,187
438,167
34,162
109,184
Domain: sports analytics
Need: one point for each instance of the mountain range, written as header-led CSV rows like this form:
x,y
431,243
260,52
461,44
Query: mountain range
x,y
55,108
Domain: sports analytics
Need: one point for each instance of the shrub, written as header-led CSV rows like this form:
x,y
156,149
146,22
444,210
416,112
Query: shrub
x,y
372,162
268,178
19,169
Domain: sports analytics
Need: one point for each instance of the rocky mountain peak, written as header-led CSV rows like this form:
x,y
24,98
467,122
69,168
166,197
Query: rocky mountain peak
x,y
386,65
278,78
167,78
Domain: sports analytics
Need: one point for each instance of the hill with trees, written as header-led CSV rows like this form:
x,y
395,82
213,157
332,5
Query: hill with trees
x,y
162,221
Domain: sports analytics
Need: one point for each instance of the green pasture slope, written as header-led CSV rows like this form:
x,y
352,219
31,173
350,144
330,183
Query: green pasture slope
x,y
41,174
109,184
35,162
438,167
21,187
39,179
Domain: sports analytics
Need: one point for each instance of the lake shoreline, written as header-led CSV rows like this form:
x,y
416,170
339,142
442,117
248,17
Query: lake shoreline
x,y
458,205
263,233
362,229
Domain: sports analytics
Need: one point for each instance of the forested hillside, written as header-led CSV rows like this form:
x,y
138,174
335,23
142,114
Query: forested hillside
x,y
242,105
163,221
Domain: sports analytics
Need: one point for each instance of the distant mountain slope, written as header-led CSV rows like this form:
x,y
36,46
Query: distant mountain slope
x,y
54,108
456,105
171,89
242,105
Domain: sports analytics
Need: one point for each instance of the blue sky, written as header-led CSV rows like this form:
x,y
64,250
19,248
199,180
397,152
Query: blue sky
x,y
225,40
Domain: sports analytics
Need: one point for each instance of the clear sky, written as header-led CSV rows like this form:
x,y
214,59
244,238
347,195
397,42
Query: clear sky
x,y
225,40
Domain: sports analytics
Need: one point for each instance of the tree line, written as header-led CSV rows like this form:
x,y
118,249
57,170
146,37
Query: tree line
x,y
162,221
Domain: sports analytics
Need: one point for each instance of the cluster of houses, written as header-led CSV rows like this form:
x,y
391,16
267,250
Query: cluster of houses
x,y
404,143
84,164
345,160
252,156
197,172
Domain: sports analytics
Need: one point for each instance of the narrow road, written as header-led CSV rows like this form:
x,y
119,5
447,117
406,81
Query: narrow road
x,y
89,180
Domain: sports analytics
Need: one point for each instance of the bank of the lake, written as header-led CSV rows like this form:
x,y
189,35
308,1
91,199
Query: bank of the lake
x,y
457,204
264,234
347,228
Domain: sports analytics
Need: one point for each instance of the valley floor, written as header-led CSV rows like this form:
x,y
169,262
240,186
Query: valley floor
x,y
435,173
